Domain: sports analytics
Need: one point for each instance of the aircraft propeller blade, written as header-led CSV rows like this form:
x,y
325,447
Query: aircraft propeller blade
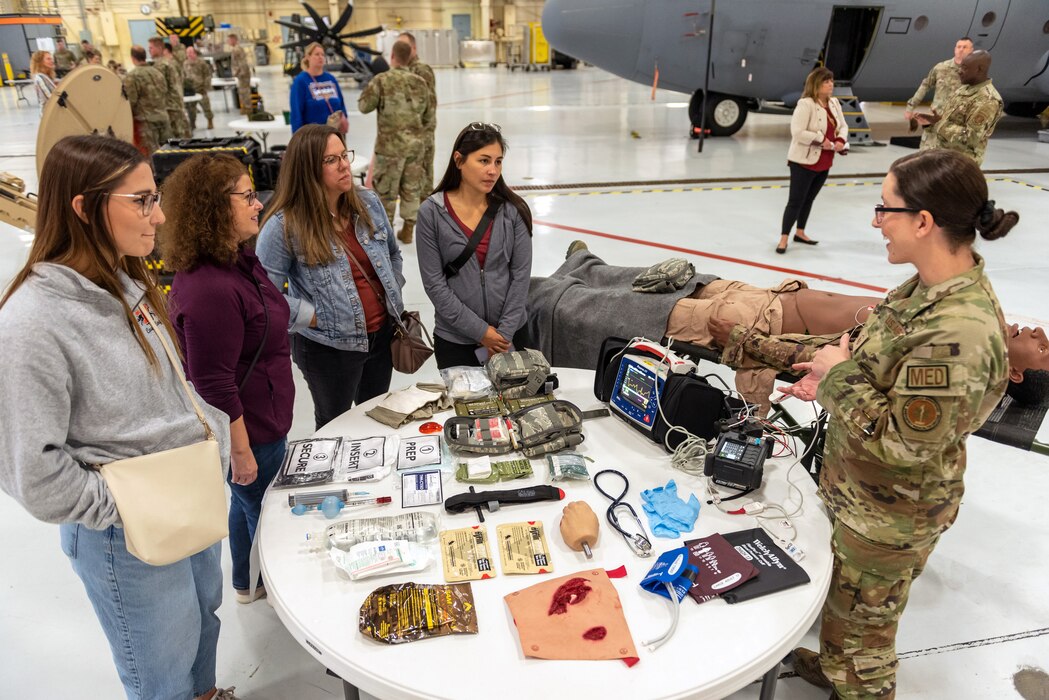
x,y
293,25
344,18
366,49
321,26
362,32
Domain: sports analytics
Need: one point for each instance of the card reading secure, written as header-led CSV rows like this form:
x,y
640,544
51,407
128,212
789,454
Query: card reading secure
x,y
419,451
523,548
465,554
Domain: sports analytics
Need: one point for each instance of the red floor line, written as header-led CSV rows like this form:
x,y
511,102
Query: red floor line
x,y
713,256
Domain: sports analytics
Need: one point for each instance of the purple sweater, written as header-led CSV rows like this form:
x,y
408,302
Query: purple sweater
x,y
219,318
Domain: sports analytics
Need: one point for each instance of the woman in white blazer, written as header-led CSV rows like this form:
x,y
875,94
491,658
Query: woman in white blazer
x,y
817,131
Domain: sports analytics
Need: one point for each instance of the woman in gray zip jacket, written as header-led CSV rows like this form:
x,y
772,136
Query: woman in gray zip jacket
x,y
482,306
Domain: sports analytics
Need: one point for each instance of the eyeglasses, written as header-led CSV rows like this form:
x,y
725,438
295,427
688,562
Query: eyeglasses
x,y
484,126
880,210
251,196
330,161
145,201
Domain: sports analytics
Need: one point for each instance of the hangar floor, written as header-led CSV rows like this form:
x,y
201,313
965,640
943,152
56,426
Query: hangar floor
x,y
599,161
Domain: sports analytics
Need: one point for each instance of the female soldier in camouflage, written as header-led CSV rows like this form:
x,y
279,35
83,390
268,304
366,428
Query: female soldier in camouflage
x,y
925,371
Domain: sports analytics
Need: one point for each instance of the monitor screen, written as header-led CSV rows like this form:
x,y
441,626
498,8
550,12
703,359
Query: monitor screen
x,y
637,387
732,450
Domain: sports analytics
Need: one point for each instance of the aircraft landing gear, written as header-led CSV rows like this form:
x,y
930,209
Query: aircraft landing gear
x,y
725,113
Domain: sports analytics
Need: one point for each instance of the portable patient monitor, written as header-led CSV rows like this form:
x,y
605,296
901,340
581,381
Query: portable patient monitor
x,y
739,458
639,384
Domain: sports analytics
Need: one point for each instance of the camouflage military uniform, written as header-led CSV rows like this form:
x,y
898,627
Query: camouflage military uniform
x,y
406,105
943,79
424,71
967,121
178,52
198,77
175,105
147,93
65,61
926,370
242,72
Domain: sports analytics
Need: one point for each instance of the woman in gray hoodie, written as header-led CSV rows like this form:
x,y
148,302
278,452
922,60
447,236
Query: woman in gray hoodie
x,y
86,381
481,305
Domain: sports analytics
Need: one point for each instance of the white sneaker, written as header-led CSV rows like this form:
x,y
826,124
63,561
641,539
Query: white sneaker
x,y
243,597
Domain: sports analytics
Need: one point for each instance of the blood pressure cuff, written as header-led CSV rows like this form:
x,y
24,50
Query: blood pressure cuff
x,y
535,430
688,400
518,374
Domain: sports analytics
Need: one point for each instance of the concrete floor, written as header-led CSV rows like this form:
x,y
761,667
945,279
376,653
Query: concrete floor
x,y
978,616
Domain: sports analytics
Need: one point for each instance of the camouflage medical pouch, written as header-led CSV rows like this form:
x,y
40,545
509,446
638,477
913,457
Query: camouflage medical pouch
x,y
519,373
534,431
668,276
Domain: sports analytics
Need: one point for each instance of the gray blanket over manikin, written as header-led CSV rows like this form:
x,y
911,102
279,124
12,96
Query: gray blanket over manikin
x,y
586,300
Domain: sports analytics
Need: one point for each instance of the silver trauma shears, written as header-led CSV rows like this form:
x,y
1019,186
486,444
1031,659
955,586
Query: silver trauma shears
x,y
638,540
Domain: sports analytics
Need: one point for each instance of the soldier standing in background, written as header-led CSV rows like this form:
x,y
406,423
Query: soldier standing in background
x,y
147,92
242,72
173,79
426,73
65,60
178,51
943,80
969,115
198,76
405,104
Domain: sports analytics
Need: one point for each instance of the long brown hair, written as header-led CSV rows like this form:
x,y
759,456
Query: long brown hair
x,y
473,138
91,166
36,64
814,80
199,211
951,187
309,228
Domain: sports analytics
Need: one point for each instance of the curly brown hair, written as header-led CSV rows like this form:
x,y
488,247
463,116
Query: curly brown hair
x,y
199,226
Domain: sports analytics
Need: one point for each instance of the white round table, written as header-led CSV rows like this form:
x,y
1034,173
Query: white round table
x,y
227,84
717,649
246,126
190,99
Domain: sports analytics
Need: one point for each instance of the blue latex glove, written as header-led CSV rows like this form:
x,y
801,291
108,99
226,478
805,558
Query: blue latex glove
x,y
668,515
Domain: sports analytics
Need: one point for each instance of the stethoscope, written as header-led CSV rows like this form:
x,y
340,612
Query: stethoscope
x,y
638,541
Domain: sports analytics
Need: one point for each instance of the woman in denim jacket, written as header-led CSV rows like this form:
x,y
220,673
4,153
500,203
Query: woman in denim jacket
x,y
334,247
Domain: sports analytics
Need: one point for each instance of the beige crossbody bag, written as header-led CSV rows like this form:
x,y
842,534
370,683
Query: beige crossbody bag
x,y
172,503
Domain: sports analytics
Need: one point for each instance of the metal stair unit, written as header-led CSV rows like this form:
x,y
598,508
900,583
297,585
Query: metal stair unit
x,y
859,130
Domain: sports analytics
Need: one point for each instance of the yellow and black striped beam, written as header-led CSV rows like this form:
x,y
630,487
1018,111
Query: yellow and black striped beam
x,y
194,28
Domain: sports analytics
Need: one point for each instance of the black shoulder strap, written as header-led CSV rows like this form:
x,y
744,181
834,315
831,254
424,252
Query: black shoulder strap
x,y
452,268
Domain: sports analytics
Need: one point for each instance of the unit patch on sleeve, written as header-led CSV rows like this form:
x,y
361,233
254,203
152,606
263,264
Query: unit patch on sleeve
x,y
922,413
928,376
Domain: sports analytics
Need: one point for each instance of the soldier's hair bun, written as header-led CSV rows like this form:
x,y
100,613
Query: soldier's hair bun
x,y
992,223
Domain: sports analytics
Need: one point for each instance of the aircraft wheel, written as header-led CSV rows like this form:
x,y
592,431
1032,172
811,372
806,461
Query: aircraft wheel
x,y
725,113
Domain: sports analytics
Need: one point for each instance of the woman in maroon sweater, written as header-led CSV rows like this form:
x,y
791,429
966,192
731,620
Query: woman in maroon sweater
x,y
232,325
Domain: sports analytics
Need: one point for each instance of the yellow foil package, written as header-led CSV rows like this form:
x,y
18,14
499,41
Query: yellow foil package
x,y
523,548
465,554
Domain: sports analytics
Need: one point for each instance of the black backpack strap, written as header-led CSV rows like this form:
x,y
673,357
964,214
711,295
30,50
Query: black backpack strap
x,y
452,268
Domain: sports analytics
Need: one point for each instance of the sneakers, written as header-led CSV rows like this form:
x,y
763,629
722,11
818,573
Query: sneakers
x,y
225,694
244,598
807,666
574,247
405,234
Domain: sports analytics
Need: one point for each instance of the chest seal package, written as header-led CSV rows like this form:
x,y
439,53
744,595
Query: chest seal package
x,y
535,431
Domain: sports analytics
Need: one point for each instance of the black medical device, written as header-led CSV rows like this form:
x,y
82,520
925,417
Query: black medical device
x,y
738,460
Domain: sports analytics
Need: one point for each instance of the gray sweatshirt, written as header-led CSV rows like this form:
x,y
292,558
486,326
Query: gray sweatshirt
x,y
466,304
77,389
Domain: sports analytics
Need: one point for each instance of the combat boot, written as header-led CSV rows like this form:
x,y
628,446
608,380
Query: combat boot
x,y
807,666
405,234
211,124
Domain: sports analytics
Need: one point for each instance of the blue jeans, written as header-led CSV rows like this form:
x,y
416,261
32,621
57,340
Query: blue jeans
x,y
160,620
245,504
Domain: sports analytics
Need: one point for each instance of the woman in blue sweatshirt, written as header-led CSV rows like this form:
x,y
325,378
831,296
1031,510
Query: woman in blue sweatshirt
x,y
87,381
481,307
315,94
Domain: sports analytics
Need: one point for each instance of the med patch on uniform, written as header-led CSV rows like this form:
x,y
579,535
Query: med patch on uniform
x,y
928,376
